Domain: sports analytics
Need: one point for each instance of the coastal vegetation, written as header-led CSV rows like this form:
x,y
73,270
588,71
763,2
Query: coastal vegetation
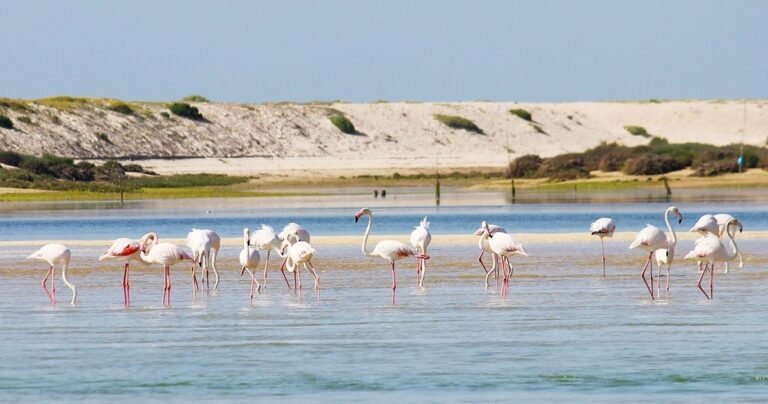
x,y
343,123
522,114
637,131
185,110
120,107
658,157
194,98
5,122
457,122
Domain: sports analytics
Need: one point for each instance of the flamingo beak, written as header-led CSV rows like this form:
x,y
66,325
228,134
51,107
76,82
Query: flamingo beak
x,y
681,218
242,271
357,217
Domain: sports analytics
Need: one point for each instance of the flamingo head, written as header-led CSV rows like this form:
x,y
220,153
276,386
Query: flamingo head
x,y
521,251
146,241
675,211
362,212
284,246
737,223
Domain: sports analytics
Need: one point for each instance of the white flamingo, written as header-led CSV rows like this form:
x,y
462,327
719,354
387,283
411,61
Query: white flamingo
x,y
710,249
390,250
249,261
653,240
486,248
299,253
205,245
165,254
265,239
505,246
722,222
55,254
603,227
124,250
420,239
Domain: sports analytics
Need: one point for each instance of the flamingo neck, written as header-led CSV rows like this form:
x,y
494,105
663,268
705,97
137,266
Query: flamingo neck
x,y
731,255
367,232
672,241
66,282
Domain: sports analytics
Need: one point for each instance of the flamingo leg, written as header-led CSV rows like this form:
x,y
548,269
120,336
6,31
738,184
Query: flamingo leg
x,y
53,283
256,283
642,275
480,259
45,288
424,259
311,269
602,251
698,284
669,270
712,281
126,285
394,282
194,279
266,267
215,271
418,270
294,281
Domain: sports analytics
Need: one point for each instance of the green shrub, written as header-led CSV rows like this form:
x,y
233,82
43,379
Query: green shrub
x,y
651,164
637,130
54,118
120,107
16,105
165,115
5,122
133,168
457,122
343,123
522,114
711,169
25,119
194,98
10,158
185,110
103,137
563,167
64,102
524,166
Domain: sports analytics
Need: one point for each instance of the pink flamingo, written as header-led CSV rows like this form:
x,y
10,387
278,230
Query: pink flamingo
x,y
505,246
265,239
166,254
420,239
124,250
249,261
389,250
299,253
603,227
710,249
486,248
55,254
653,240
205,245
723,220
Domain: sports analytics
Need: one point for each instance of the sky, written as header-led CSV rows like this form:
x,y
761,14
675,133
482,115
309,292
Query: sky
x,y
366,50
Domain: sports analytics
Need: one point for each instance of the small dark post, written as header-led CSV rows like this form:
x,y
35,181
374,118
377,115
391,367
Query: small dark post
x,y
437,190
383,193
514,191
375,193
669,190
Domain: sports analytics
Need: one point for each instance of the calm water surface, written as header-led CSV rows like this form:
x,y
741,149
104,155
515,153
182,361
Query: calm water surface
x,y
564,332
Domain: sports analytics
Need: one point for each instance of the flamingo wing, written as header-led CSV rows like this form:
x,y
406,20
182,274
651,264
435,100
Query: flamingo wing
x,y
706,224
650,237
604,225
393,250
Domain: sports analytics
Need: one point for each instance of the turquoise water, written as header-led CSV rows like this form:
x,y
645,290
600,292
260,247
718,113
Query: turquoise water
x,y
564,332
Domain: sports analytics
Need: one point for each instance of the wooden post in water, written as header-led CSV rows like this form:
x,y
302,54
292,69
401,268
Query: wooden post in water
x,y
669,190
437,190
514,191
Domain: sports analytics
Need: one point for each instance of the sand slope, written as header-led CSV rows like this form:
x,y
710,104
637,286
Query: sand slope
x,y
281,136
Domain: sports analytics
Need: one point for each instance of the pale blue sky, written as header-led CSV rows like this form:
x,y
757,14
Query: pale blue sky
x,y
253,51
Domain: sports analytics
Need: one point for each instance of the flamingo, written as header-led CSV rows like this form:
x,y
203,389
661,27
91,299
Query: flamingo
x,y
265,239
249,261
722,222
55,254
205,245
710,249
420,239
485,247
124,250
166,254
298,253
389,250
653,240
505,246
603,227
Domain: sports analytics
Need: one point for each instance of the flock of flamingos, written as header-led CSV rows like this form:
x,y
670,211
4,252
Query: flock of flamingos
x,y
292,244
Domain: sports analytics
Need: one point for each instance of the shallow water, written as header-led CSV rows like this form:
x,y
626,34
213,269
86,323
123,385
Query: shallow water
x,y
563,333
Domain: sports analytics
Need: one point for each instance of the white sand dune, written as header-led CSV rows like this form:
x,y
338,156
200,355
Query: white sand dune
x,y
289,139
